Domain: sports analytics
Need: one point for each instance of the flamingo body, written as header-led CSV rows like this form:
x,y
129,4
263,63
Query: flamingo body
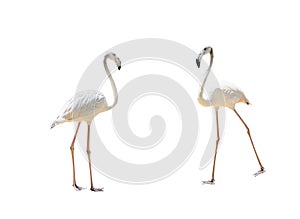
x,y
227,97
84,106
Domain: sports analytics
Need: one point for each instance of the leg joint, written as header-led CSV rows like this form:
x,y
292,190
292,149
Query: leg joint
x,y
248,131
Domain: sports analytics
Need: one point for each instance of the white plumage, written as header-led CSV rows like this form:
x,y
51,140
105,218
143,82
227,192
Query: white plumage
x,y
226,97
84,106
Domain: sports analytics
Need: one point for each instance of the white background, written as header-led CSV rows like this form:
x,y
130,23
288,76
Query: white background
x,y
45,48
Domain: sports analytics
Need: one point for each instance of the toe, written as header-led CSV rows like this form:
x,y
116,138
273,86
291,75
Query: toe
x,y
97,189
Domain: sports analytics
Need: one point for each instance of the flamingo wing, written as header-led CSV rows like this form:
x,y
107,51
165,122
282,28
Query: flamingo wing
x,y
80,107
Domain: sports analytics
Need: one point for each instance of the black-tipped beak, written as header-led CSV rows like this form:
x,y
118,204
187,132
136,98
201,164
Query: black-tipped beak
x,y
198,63
248,103
119,67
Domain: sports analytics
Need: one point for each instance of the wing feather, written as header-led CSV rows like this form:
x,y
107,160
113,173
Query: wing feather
x,y
82,105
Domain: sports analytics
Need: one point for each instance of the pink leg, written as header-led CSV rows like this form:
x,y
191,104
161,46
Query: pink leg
x,y
88,151
73,162
215,157
262,169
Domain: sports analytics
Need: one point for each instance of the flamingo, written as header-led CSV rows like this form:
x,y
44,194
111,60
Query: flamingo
x,y
227,97
84,106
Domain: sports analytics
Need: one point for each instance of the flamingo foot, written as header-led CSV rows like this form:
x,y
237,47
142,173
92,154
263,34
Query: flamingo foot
x,y
77,188
259,172
97,189
210,182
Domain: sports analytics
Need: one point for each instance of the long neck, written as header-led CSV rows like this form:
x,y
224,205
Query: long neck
x,y
201,99
113,85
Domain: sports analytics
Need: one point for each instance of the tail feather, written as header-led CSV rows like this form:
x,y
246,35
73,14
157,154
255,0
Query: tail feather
x,y
55,123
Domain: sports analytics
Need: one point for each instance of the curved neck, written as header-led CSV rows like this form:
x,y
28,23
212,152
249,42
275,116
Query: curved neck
x,y
201,98
113,85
